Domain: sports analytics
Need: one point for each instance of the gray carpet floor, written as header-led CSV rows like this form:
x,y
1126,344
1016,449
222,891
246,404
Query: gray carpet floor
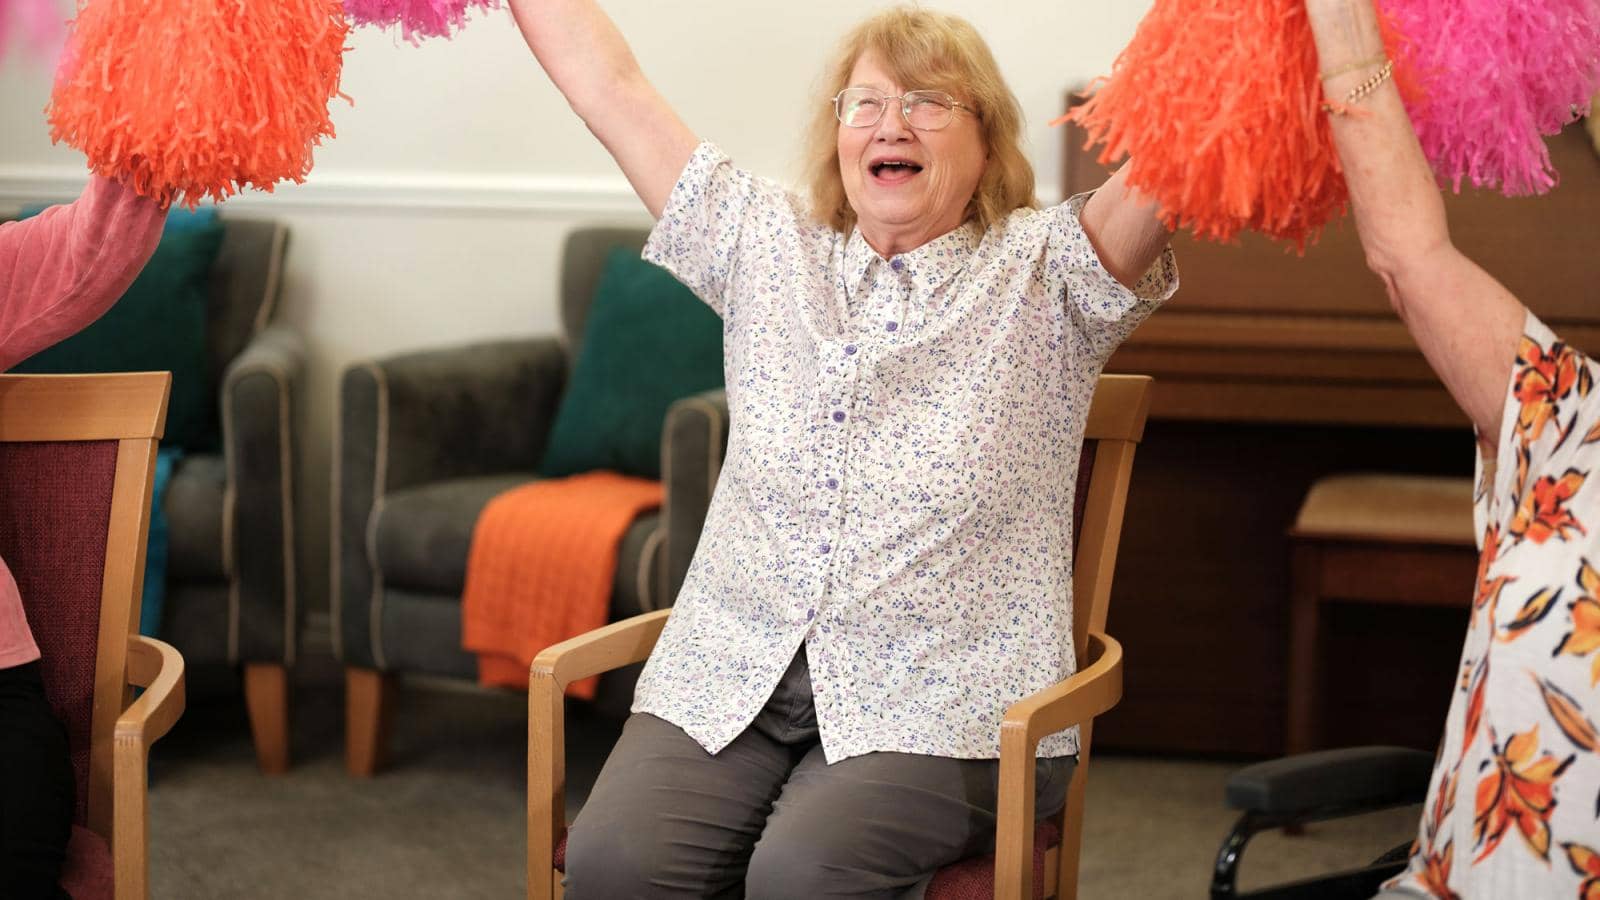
x,y
445,819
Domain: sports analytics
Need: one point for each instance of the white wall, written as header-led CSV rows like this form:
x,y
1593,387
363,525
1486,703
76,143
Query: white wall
x,y
437,213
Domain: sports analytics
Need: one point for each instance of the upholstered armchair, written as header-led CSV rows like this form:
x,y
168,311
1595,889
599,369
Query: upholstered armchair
x,y
231,595
425,441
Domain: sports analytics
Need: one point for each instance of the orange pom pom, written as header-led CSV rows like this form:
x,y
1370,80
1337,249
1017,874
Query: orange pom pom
x,y
1219,104
187,99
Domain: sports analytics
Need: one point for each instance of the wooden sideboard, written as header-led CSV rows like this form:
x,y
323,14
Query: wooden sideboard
x,y
1271,371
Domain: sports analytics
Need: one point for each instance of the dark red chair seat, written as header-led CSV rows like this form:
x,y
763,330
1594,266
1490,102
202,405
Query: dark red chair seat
x,y
88,872
969,879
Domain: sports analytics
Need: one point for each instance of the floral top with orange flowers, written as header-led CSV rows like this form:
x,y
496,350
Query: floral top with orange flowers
x,y
1513,809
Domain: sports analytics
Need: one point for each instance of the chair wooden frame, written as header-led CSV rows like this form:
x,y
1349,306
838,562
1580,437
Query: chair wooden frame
x,y
132,410
1116,424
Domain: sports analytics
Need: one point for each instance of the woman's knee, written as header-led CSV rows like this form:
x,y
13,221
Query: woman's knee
x,y
794,867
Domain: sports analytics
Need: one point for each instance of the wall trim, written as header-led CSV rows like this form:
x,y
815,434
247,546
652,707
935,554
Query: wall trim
x,y
406,192
415,192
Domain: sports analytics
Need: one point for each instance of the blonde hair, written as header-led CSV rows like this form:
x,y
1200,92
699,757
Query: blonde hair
x,y
924,49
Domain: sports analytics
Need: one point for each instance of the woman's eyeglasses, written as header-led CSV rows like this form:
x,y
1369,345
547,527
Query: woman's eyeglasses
x,y
923,110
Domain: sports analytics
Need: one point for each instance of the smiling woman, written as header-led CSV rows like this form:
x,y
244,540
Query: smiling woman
x,y
887,562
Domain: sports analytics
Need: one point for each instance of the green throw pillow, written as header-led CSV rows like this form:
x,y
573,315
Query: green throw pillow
x,y
648,341
159,324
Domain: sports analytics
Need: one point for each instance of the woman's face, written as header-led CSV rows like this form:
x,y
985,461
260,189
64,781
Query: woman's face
x,y
901,207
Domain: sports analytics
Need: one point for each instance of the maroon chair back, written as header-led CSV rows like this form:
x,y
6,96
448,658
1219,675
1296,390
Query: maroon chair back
x,y
55,508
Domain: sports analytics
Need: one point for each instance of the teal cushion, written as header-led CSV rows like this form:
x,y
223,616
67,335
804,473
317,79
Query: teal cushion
x,y
648,341
159,324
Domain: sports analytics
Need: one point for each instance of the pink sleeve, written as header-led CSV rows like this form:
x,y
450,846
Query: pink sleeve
x,y
63,268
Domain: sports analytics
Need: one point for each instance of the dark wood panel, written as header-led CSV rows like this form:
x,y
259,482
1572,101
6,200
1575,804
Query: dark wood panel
x,y
1271,371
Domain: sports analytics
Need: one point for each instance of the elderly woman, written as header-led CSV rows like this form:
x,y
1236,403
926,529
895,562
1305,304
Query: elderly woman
x,y
1511,806
886,564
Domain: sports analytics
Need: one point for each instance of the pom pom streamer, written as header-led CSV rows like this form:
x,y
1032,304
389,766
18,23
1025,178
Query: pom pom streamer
x,y
1496,76
416,18
36,21
1219,104
188,99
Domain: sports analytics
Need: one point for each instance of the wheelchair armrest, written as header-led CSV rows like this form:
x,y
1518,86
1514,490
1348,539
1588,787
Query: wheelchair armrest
x,y
1331,783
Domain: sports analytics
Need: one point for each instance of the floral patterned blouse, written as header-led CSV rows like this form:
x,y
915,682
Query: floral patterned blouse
x,y
898,490
1512,809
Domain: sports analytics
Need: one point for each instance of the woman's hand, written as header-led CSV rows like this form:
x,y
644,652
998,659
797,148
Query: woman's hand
x,y
585,55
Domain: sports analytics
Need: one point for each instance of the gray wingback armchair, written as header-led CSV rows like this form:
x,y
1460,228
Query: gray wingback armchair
x,y
425,440
230,545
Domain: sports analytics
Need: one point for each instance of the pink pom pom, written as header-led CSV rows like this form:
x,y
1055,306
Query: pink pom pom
x,y
38,22
416,18
1495,76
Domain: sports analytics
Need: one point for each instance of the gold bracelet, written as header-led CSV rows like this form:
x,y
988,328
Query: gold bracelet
x,y
1360,91
1343,70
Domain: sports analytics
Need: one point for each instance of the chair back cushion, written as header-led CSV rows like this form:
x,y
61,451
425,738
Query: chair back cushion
x,y
1080,496
55,510
648,341
242,293
583,258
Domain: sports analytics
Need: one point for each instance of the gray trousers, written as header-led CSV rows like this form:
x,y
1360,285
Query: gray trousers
x,y
768,818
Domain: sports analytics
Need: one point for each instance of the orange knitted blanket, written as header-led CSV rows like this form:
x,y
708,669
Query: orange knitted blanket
x,y
541,567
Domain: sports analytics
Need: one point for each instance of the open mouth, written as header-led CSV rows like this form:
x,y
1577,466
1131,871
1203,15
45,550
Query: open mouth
x,y
890,171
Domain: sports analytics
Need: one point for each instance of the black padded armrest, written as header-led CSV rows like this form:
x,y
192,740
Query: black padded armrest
x,y
1353,778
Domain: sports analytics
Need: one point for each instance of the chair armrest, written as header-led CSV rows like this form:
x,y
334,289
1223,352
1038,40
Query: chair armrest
x,y
601,650
259,390
611,647
1093,689
1350,779
693,441
158,668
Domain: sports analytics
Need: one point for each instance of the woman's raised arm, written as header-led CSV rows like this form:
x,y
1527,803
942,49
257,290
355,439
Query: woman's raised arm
x,y
585,55
1465,321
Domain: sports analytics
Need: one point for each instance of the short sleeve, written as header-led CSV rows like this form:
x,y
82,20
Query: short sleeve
x,y
1104,309
1549,430
714,210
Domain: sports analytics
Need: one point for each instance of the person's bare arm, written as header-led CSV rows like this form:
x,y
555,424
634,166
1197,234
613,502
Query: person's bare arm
x,y
586,57
1123,227
1465,321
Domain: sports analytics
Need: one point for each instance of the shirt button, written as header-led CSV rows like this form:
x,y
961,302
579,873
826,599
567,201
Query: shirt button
x,y
897,264
838,416
892,326
833,484
849,349
824,548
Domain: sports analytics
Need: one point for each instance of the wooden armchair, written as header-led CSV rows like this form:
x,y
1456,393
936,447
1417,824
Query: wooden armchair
x,y
77,455
1029,860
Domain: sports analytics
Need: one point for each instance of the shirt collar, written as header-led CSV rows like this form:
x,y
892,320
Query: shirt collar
x,y
927,267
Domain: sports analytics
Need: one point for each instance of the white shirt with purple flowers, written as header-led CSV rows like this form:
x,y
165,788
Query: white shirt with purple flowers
x,y
898,489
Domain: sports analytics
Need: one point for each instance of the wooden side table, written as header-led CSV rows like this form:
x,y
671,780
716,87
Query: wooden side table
x,y
1371,538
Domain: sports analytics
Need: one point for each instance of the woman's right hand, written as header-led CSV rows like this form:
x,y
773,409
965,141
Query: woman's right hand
x,y
586,56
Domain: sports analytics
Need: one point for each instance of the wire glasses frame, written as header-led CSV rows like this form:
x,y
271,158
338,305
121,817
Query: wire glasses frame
x,y
923,110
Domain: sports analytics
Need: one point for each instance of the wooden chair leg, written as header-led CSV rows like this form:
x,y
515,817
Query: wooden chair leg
x,y
266,697
1304,673
368,696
